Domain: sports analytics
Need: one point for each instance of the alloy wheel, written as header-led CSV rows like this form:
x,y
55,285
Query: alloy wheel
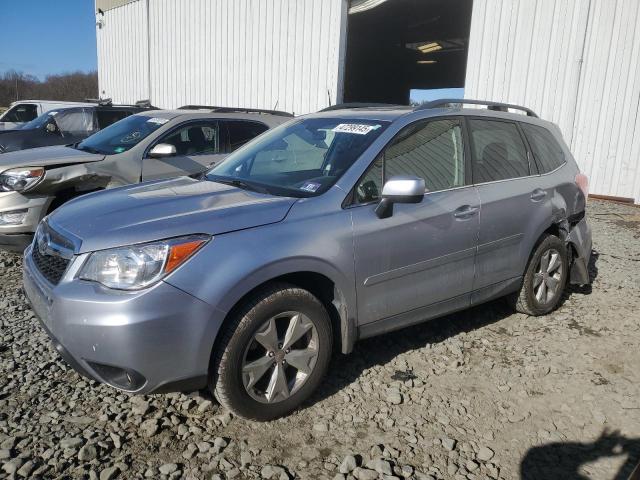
x,y
280,357
546,280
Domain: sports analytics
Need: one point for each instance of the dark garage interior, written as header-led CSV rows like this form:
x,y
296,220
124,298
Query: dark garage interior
x,y
401,45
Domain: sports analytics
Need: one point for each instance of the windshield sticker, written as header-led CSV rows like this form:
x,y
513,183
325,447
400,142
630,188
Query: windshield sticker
x,y
311,187
130,137
357,128
159,121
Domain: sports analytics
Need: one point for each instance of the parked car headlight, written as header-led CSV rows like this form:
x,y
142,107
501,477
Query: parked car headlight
x,y
139,266
20,179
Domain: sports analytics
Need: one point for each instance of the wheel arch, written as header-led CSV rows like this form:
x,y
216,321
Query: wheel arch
x,y
328,286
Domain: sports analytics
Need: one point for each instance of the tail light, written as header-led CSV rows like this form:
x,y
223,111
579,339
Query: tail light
x,y
582,181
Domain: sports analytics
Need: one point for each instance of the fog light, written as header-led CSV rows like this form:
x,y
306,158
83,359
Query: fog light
x,y
13,217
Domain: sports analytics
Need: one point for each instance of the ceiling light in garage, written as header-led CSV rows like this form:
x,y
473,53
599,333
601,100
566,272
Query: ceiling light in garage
x,y
427,62
430,47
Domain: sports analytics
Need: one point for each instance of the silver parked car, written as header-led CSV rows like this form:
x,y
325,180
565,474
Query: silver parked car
x,y
150,145
333,227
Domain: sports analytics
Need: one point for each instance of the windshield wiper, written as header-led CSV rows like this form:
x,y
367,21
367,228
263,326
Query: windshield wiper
x,y
88,149
240,184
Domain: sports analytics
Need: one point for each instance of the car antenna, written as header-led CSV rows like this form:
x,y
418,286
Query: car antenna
x,y
329,96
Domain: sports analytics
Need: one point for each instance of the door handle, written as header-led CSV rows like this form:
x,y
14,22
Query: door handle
x,y
465,211
538,194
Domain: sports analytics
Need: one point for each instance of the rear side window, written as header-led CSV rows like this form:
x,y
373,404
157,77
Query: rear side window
x,y
108,117
241,132
546,149
499,151
24,112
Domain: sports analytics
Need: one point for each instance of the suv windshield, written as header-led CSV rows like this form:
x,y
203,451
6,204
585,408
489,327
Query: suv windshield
x,y
39,121
301,158
122,135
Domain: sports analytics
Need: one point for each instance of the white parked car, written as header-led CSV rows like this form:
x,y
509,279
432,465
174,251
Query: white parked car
x,y
24,111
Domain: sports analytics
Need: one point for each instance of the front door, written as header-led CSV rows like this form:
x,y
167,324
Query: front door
x,y
423,255
197,148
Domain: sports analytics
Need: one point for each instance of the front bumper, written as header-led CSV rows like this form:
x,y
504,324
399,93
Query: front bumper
x,y
16,242
580,238
159,339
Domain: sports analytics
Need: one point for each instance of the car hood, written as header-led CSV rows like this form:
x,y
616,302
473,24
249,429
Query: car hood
x,y
163,209
45,156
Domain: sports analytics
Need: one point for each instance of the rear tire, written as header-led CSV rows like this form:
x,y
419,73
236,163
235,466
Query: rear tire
x,y
273,353
545,278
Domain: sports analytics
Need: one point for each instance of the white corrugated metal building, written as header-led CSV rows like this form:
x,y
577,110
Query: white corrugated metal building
x,y
574,62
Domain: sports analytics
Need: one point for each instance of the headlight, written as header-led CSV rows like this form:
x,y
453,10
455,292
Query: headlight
x,y
20,179
139,266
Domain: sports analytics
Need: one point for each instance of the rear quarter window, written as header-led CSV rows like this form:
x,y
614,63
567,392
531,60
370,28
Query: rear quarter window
x,y
546,150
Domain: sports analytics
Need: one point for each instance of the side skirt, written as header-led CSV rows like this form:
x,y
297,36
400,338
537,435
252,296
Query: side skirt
x,y
440,309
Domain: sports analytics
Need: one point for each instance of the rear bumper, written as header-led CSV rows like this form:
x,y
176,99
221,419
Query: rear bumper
x,y
580,238
159,339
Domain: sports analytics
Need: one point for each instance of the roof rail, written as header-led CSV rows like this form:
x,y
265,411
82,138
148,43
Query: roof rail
x,y
344,106
497,106
144,103
100,101
235,110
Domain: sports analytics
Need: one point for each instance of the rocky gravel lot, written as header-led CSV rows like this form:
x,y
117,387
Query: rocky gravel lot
x,y
484,394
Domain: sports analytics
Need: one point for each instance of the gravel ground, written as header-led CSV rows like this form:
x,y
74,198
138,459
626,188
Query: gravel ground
x,y
481,394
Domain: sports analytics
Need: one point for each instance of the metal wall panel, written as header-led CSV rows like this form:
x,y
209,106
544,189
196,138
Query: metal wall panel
x,y
575,63
282,54
122,53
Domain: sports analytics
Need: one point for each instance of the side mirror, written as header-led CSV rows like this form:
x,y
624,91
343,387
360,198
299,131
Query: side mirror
x,y
51,127
162,150
400,189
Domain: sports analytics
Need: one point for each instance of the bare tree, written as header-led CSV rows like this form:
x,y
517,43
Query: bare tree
x,y
74,86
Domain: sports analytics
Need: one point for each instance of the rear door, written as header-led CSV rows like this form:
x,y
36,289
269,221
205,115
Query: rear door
x,y
197,146
513,203
423,255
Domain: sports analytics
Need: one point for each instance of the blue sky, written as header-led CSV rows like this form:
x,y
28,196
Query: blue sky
x,y
43,37
435,94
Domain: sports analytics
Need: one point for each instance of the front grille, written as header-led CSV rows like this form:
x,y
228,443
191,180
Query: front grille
x,y
51,253
51,267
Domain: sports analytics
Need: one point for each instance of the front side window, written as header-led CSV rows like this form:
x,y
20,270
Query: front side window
x,y
76,121
122,135
195,138
432,150
24,112
499,151
300,158
546,150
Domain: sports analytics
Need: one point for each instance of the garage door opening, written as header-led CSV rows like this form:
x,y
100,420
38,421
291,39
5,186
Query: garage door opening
x,y
395,47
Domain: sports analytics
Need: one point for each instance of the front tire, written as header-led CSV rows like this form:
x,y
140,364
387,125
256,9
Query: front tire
x,y
545,279
273,353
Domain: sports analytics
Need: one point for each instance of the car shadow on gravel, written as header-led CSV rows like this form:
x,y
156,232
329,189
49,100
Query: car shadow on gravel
x,y
563,460
380,350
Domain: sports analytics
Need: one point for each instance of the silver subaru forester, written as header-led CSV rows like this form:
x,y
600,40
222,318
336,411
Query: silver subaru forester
x,y
333,227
